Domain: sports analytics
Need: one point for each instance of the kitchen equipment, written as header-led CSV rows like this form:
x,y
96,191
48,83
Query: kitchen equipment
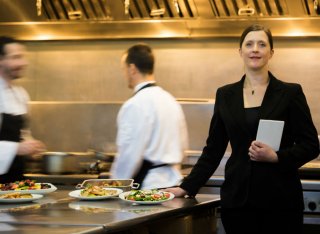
x,y
98,167
85,19
310,170
60,163
124,184
67,162
104,156
311,216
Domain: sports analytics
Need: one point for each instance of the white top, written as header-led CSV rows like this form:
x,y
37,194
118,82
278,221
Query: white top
x,y
13,100
152,126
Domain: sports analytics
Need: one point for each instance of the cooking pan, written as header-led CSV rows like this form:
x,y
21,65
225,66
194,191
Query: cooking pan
x,y
60,163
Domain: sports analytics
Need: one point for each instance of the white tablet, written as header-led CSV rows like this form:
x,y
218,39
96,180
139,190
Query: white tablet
x,y
270,132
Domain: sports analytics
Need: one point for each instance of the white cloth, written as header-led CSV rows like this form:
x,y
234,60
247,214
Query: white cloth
x,y
8,150
13,100
151,126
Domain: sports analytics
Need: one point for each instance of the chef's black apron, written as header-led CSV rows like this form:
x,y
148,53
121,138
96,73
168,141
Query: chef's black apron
x,y
146,165
10,130
144,169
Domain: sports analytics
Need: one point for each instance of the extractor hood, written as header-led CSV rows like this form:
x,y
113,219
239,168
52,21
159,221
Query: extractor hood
x,y
114,19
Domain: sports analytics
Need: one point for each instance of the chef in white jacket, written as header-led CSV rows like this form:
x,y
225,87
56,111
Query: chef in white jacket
x,y
152,133
13,111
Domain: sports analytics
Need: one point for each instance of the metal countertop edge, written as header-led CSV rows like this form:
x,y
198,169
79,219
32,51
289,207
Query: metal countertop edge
x,y
123,225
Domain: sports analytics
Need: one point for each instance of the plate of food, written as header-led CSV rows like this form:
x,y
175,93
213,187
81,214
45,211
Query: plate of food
x,y
146,197
95,193
17,197
27,186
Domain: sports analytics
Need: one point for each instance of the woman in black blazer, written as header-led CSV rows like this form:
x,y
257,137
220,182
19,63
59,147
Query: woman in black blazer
x,y
262,192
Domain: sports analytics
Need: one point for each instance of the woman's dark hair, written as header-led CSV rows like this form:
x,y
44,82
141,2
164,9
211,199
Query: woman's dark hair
x,y
4,41
142,57
257,27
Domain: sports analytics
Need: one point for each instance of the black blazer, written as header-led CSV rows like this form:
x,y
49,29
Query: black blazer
x,y
259,184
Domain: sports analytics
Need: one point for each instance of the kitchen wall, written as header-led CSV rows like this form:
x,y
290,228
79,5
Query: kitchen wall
x,y
88,72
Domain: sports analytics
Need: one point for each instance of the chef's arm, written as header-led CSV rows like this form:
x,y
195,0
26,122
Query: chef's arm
x,y
28,144
30,147
9,150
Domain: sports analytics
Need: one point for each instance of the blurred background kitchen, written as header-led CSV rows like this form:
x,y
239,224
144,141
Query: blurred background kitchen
x,y
76,85
74,48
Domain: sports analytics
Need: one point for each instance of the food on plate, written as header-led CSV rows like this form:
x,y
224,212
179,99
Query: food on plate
x,y
123,184
113,183
148,195
110,183
96,191
16,195
23,185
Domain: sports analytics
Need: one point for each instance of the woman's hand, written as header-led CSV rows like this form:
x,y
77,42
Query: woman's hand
x,y
262,153
30,147
177,191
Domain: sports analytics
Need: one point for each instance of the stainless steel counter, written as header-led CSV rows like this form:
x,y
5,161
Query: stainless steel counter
x,y
47,229
59,213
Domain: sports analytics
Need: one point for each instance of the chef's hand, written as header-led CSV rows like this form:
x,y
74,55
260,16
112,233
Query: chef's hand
x,y
177,191
262,153
30,147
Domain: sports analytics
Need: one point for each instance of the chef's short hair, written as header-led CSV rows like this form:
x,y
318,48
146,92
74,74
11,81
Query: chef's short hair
x,y
4,40
142,57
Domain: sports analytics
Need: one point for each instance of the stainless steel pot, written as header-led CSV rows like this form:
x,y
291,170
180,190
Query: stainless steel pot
x,y
60,163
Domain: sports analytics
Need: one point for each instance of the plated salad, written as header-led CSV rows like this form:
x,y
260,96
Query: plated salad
x,y
147,195
24,185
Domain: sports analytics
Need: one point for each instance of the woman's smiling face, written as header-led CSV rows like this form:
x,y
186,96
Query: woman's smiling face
x,y
256,51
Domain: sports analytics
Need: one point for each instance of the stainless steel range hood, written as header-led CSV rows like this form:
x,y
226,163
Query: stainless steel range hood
x,y
113,19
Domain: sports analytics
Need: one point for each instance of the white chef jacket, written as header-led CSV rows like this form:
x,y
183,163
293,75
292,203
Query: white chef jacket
x,y
151,126
13,100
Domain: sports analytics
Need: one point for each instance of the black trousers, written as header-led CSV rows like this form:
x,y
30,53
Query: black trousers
x,y
260,221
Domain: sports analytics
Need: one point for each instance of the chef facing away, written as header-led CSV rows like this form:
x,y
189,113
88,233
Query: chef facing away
x,y
152,133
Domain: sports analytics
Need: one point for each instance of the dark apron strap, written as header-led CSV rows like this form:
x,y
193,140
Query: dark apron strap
x,y
144,169
146,165
10,131
146,86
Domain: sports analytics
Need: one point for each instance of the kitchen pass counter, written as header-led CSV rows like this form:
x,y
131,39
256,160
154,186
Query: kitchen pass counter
x,y
59,213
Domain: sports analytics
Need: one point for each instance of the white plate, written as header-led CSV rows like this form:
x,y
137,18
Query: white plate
x,y
125,194
77,194
33,191
21,200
